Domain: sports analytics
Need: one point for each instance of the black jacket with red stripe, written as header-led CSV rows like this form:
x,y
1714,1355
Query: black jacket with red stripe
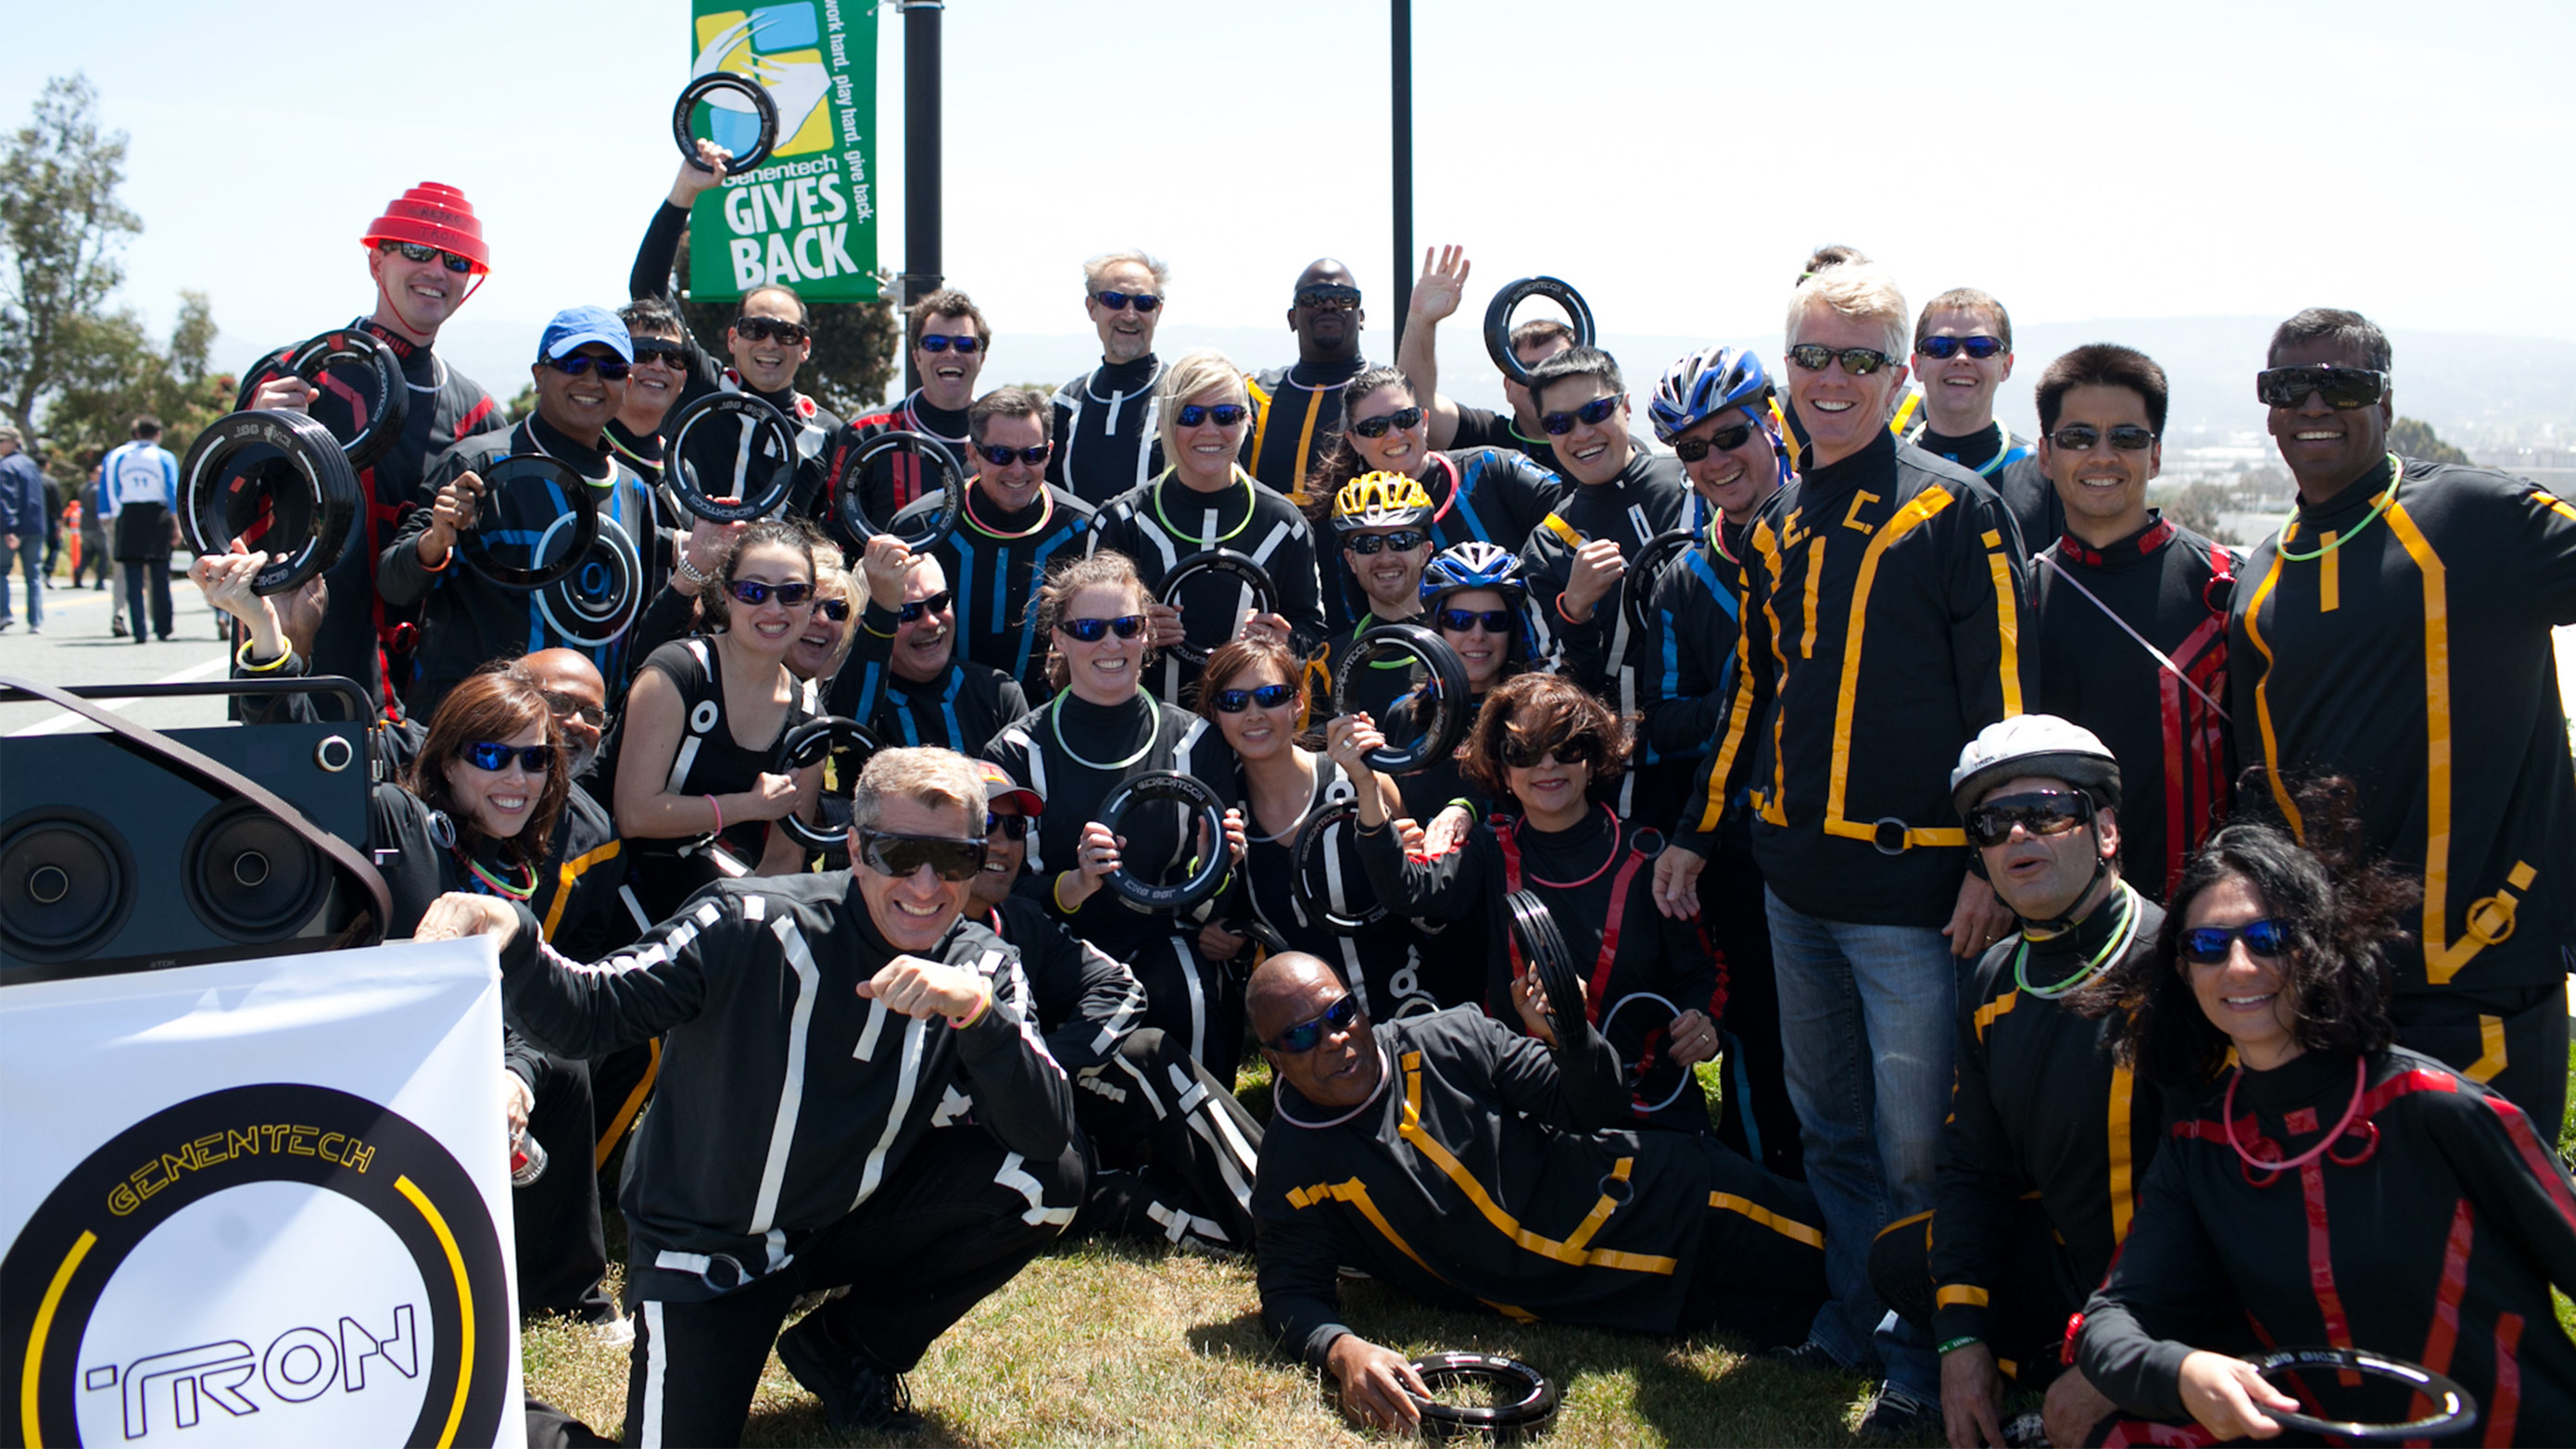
x,y
2039,1107
2177,754
2415,660
2431,1231
1882,628
895,479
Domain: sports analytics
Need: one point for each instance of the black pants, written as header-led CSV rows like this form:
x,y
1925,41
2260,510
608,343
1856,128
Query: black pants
x,y
2034,1292
1761,1270
620,1084
1753,1114
560,1252
954,1221
2513,1038
1195,1001
1179,1152
151,576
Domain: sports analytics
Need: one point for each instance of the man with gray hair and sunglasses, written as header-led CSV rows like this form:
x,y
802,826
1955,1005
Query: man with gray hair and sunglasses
x,y
1106,422
1882,618
2396,631
913,1141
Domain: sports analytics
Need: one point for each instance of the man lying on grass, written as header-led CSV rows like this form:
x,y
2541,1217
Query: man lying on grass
x,y
913,1139
1467,1164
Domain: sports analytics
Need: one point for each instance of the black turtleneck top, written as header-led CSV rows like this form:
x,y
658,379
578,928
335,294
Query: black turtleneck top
x,y
1107,430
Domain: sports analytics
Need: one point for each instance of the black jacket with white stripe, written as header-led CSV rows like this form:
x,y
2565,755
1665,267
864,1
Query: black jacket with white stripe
x,y
787,1101
1165,521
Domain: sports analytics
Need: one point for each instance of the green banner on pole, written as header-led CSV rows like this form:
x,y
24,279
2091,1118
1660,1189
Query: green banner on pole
x,y
806,217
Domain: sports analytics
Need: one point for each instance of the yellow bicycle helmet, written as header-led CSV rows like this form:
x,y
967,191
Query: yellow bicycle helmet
x,y
1381,500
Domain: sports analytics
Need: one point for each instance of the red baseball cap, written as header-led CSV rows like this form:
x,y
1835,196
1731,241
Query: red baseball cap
x,y
999,786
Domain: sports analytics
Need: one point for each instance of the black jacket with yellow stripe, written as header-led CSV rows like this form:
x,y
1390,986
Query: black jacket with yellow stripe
x,y
2414,659
1884,600
1483,1172
2039,1108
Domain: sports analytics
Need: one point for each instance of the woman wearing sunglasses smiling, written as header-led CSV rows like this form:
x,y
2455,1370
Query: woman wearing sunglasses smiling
x,y
2326,1184
1492,495
1547,746
1102,728
1205,500
695,792
1255,692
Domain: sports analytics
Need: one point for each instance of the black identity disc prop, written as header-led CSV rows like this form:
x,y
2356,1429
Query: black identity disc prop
x,y
599,600
1498,320
1444,688
1304,868
508,546
762,458
1265,594
1543,948
2453,1408
277,480
1524,1401
1159,785
848,485
1644,571
706,85
356,366
847,744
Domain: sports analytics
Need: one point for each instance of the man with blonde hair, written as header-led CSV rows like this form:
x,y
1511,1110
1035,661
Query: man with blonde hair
x,y
1106,422
914,1140
1884,598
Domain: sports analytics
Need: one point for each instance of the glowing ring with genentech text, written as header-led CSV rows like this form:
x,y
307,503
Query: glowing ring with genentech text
x,y
67,1254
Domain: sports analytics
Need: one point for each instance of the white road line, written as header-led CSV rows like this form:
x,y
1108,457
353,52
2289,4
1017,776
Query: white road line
x,y
68,720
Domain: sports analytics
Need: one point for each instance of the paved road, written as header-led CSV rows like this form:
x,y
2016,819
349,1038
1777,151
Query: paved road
x,y
76,648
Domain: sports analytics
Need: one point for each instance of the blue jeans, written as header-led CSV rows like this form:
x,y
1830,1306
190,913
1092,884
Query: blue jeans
x,y
29,558
1866,1023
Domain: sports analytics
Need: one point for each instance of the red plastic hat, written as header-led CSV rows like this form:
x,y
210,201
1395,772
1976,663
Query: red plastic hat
x,y
433,215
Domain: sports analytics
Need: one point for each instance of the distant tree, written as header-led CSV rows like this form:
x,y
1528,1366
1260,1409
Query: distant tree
x,y
2414,438
519,406
61,227
854,344
2199,507
116,372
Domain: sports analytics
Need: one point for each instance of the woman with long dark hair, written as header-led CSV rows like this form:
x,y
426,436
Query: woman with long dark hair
x,y
2322,1185
1556,753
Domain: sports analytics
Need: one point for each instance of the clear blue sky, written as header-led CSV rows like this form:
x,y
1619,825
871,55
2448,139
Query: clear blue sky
x,y
2080,161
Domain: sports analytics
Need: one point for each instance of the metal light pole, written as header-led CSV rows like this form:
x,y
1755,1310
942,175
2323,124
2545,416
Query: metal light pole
x,y
921,274
1400,50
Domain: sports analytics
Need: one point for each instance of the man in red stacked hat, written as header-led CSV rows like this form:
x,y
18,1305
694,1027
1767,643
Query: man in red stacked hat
x,y
426,254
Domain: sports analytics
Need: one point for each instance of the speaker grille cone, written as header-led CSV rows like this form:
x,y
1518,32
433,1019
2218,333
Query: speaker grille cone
x,y
249,877
63,886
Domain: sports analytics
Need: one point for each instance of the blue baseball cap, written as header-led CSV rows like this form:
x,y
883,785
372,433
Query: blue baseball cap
x,y
574,326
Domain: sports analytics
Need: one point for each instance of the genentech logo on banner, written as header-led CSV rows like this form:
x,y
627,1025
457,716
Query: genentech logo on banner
x,y
259,1203
804,218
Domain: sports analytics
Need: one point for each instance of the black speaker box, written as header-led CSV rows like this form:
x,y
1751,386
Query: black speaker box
x,y
111,862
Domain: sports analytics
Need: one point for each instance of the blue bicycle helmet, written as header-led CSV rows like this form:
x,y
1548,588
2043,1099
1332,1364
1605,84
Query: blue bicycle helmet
x,y
1475,564
1706,383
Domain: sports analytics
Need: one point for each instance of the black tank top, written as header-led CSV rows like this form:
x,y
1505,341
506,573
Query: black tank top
x,y
709,760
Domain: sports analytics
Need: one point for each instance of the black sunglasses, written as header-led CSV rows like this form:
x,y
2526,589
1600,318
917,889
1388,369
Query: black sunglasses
x,y
1979,348
2041,812
415,252
761,329
1305,1036
1402,540
576,364
1459,621
485,755
2344,387
564,704
2083,437
756,593
935,604
901,855
1268,696
1858,361
1525,754
836,610
1724,440
2207,945
940,342
1329,299
1225,414
1377,427
670,354
1591,414
1013,827
1118,301
1001,457
1092,631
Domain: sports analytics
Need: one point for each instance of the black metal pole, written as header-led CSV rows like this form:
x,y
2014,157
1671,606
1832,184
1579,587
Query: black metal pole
x,y
921,275
1401,53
